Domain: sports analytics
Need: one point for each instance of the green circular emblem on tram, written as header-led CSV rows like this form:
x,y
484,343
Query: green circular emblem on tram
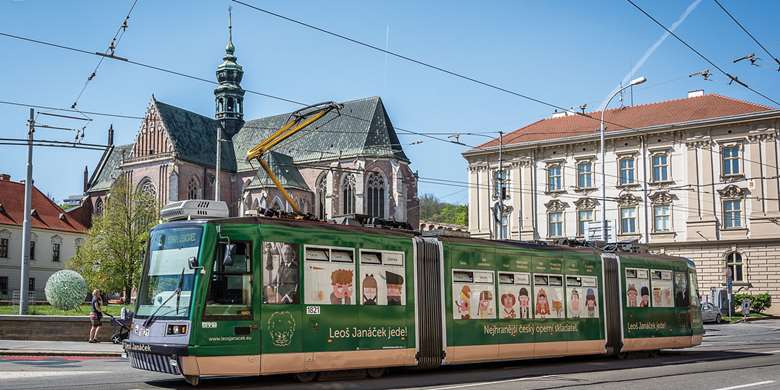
x,y
281,327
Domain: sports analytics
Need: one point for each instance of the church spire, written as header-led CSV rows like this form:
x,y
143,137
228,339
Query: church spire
x,y
230,49
229,95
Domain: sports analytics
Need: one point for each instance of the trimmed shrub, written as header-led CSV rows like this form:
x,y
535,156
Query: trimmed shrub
x,y
758,302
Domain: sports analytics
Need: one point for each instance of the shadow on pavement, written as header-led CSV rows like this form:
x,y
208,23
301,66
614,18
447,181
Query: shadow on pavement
x,y
546,369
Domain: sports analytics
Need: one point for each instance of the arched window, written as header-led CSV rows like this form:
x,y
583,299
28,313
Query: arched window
x,y
147,187
193,188
734,265
230,104
322,193
348,194
277,204
99,207
255,204
375,195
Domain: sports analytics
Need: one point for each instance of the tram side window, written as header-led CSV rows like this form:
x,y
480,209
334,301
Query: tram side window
x,y
548,290
381,278
280,273
514,293
662,284
581,293
681,298
329,275
693,290
637,287
230,289
473,295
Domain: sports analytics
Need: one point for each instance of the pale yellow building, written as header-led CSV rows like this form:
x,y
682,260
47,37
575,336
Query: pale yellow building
x,y
694,177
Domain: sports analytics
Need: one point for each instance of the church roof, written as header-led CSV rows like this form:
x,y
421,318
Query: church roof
x,y
108,168
362,130
284,169
194,137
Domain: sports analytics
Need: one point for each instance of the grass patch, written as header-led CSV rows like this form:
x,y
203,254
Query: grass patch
x,y
49,310
753,317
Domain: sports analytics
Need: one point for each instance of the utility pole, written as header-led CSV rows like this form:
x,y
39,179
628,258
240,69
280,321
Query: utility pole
x,y
28,185
219,161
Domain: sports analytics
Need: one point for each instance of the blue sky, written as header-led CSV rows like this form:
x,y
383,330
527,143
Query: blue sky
x,y
567,53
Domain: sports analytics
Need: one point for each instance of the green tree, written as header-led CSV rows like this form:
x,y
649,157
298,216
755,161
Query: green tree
x,y
434,210
110,258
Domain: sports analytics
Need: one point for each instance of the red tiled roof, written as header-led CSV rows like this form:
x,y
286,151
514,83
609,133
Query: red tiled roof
x,y
654,114
47,213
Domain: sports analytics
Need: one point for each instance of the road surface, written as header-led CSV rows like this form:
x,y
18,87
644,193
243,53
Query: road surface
x,y
741,356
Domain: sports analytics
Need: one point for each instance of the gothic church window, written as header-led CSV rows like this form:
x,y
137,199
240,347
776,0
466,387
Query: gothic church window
x,y
348,194
322,193
193,188
375,190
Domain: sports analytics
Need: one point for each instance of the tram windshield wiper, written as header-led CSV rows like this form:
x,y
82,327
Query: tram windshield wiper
x,y
149,321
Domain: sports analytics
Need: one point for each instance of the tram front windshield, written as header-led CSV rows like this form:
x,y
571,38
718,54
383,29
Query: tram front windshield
x,y
168,270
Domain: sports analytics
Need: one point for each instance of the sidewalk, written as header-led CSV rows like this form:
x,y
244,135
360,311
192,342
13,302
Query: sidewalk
x,y
59,348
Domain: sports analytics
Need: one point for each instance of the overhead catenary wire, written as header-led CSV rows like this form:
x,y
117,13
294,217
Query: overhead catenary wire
x,y
427,65
19,104
741,26
702,56
120,33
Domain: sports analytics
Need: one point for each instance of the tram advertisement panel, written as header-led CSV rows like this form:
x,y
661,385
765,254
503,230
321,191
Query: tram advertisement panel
x,y
535,299
648,298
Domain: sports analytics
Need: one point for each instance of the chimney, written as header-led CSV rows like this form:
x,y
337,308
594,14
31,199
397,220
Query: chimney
x,y
696,93
111,135
5,177
86,179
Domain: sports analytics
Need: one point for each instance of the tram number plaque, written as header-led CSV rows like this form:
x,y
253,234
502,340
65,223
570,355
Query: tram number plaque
x,y
312,310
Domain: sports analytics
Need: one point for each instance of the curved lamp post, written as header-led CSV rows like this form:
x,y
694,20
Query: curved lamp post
x,y
604,228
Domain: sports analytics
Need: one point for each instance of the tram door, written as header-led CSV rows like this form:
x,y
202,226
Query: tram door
x,y
612,303
229,327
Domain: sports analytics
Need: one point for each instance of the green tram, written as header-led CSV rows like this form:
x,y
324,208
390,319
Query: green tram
x,y
261,296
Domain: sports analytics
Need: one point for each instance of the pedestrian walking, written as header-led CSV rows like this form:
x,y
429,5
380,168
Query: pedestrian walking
x,y
95,315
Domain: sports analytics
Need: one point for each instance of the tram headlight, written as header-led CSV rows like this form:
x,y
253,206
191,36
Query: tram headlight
x,y
175,330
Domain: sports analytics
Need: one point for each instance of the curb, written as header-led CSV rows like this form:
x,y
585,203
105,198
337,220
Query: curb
x,y
27,352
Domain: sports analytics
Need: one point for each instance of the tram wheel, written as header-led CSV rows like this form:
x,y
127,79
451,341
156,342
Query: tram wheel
x,y
376,373
622,355
654,353
306,377
193,380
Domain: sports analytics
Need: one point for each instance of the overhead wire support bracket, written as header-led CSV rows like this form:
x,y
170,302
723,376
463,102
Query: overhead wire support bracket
x,y
112,56
65,116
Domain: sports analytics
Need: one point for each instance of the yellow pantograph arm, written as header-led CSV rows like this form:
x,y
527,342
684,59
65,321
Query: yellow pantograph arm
x,y
279,185
298,122
289,129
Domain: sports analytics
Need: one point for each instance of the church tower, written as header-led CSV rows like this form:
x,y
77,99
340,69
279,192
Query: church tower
x,y
229,96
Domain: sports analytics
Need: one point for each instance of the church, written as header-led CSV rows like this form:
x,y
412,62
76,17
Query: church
x,y
347,162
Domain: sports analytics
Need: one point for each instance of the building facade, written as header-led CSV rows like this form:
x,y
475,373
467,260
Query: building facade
x,y
694,177
55,238
347,162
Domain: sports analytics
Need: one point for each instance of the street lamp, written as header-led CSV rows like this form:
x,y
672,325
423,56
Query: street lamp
x,y
633,82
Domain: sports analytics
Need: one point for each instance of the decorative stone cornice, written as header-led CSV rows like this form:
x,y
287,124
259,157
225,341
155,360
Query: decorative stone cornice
x,y
586,203
732,191
628,199
698,143
556,205
762,135
662,198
